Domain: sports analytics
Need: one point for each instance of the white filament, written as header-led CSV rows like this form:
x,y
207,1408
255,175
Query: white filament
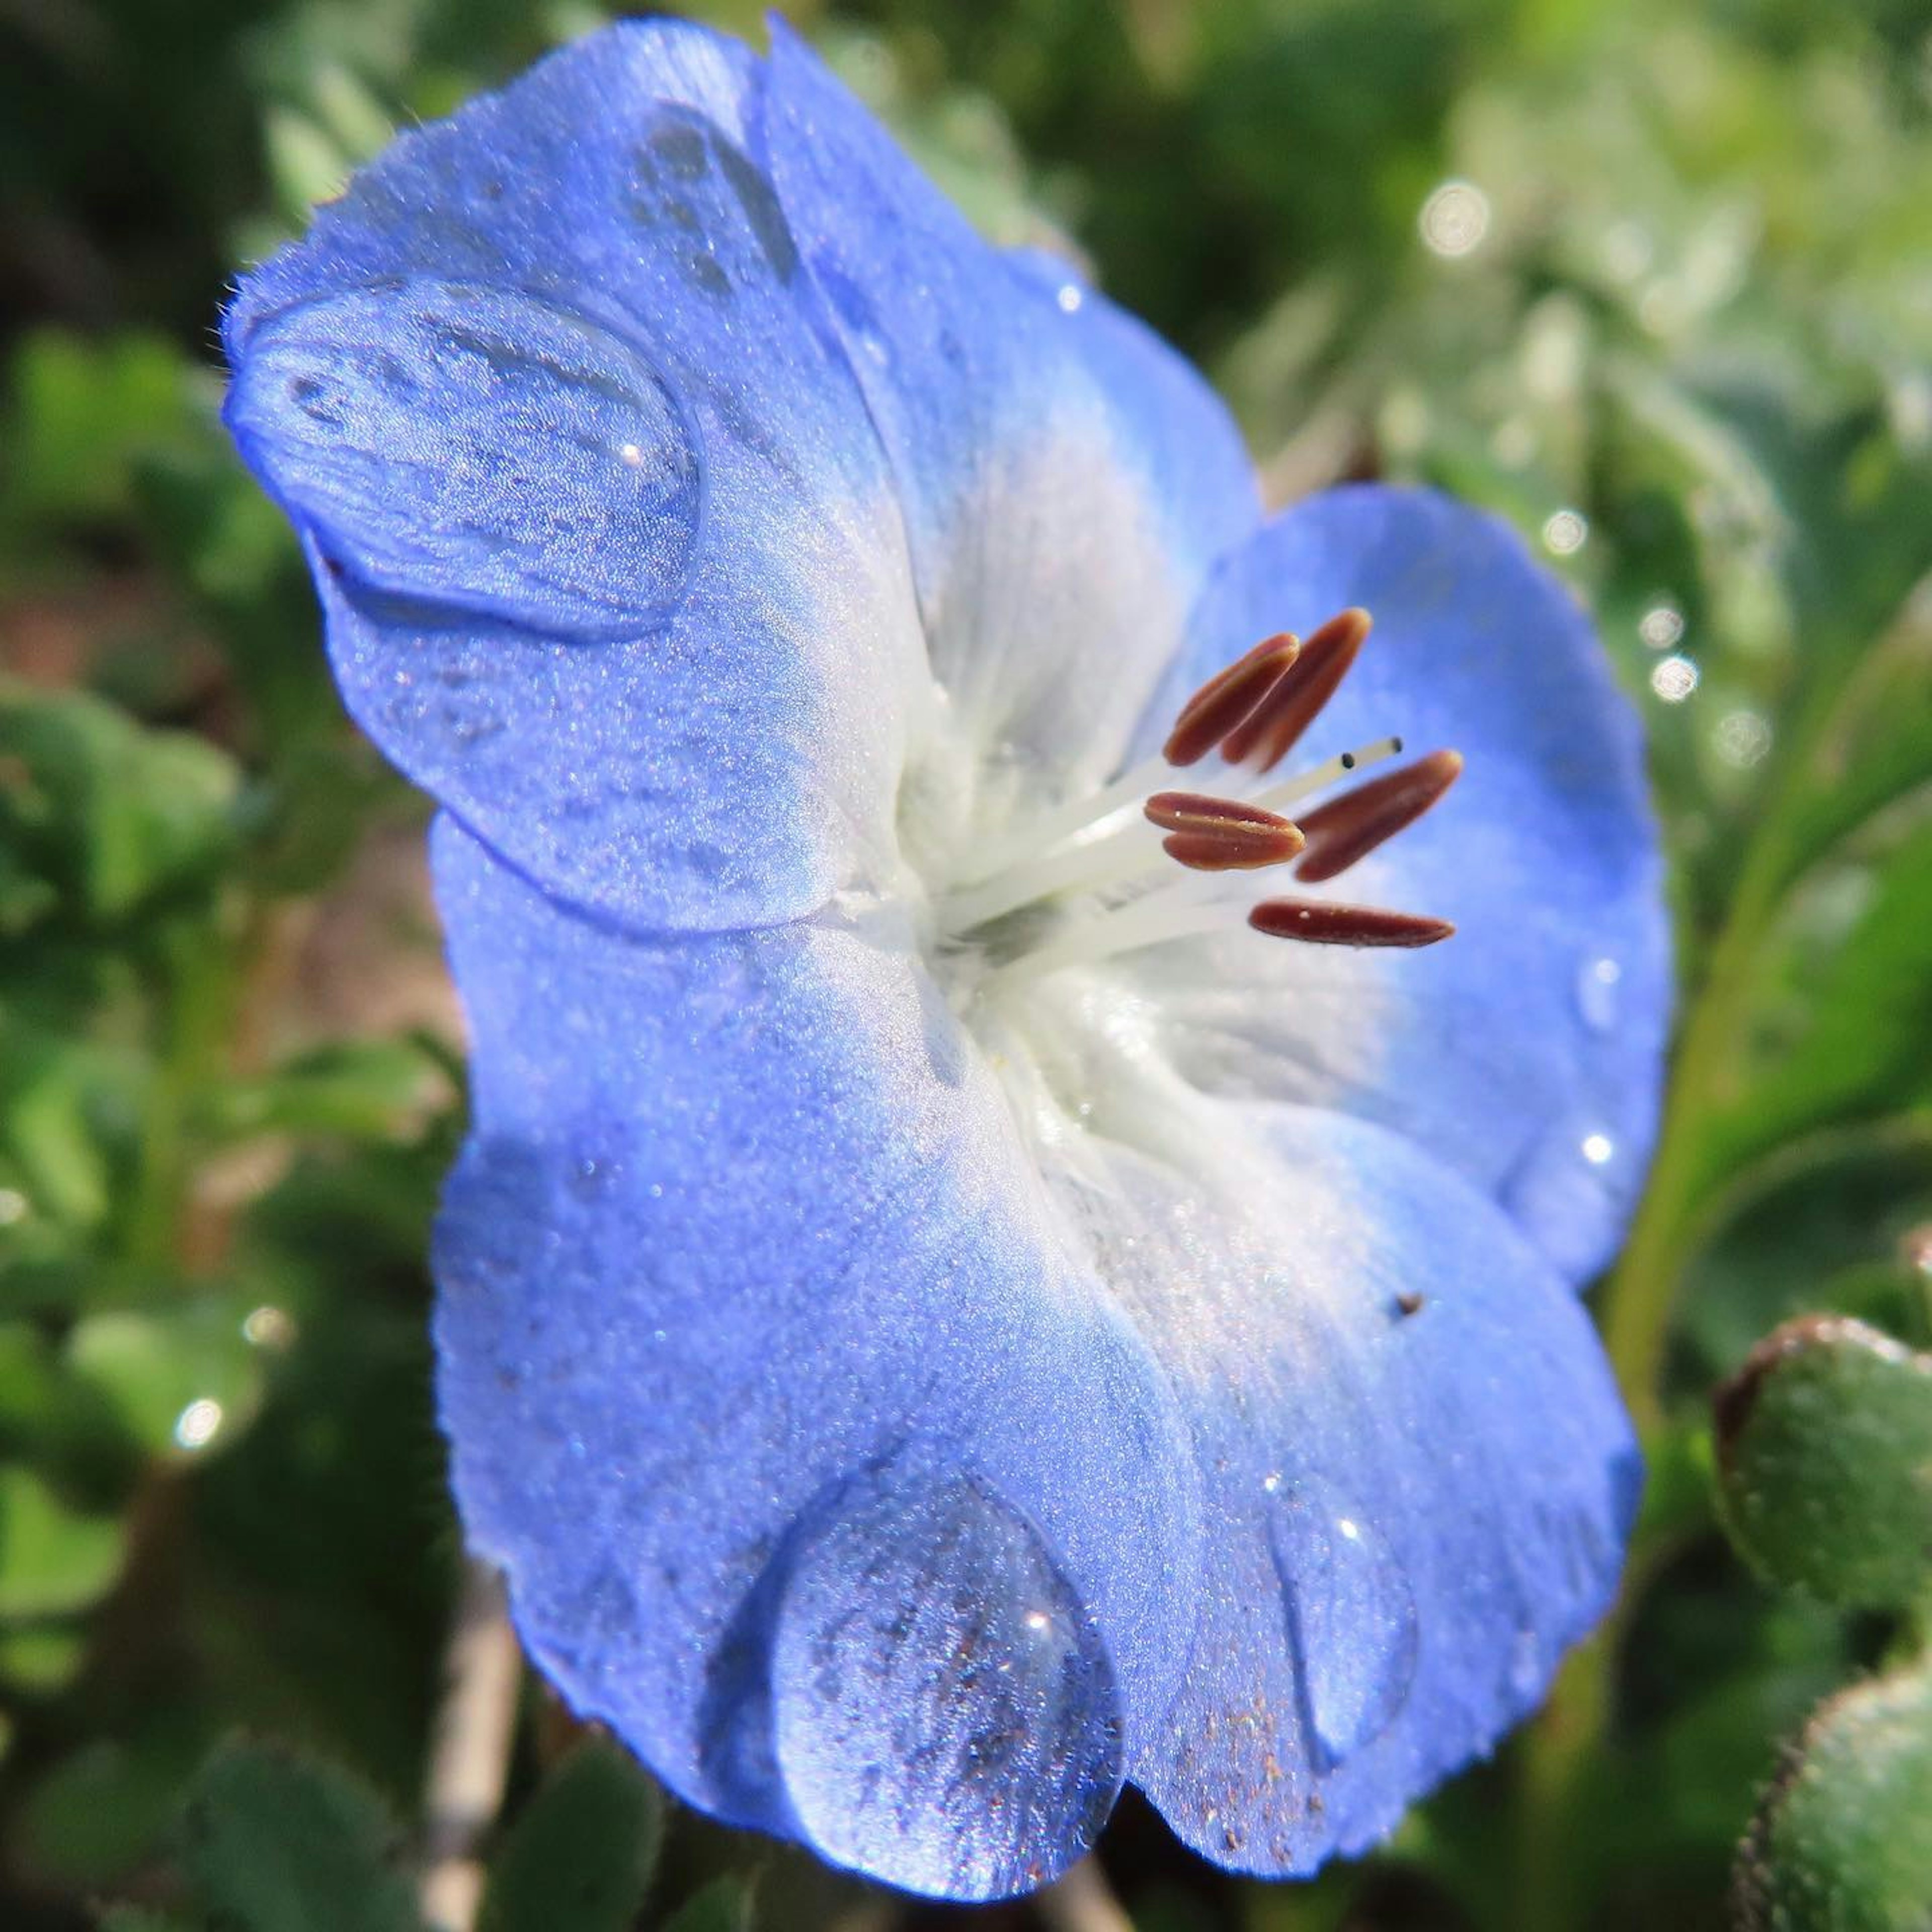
x,y
1073,816
1198,905
1071,851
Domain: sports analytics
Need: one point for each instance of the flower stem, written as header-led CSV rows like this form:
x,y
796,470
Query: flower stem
x,y
1083,1901
469,1757
1635,1307
199,968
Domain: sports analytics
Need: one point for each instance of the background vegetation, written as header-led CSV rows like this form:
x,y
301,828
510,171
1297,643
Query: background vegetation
x,y
1654,279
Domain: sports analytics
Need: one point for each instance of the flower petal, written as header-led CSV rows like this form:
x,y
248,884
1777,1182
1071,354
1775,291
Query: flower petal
x,y
1068,480
1417,1468
820,1466
1526,1051
607,546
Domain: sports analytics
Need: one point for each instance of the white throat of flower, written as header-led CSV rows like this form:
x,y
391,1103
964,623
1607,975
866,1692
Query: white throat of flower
x,y
1158,860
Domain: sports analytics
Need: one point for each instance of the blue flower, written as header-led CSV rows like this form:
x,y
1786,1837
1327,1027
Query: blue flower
x,y
947,1305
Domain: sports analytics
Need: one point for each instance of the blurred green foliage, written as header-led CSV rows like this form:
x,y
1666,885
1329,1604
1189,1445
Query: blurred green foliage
x,y
1655,280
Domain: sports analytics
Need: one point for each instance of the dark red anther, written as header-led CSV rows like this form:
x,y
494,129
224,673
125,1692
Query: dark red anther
x,y
1270,730
1235,850
1227,697
1203,811
1348,827
1221,834
1323,924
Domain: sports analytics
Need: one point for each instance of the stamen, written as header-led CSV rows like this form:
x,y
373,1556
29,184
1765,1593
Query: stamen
x,y
1124,853
1323,924
1271,728
1220,835
1348,828
1219,708
1254,712
1229,697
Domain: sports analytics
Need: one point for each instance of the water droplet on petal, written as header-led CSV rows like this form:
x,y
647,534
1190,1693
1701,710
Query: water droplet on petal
x,y
1597,998
1352,1617
406,425
1598,1149
946,1718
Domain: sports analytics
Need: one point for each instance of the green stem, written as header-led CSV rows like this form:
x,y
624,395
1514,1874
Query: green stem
x,y
1635,1310
198,964
1635,1306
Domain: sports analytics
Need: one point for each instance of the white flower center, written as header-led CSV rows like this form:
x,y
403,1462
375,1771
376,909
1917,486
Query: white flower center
x,y
1138,863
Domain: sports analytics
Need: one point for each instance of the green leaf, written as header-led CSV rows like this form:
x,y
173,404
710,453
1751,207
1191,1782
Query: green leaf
x,y
724,1905
1840,1843
307,165
1824,1462
275,1844
1826,1225
584,1850
1846,1032
107,812
369,1090
1875,747
107,1806
83,414
53,1558
63,1104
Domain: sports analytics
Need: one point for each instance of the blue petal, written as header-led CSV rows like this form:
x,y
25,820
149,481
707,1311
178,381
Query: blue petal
x,y
1068,480
1527,1051
608,548
821,1466
1413,1513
